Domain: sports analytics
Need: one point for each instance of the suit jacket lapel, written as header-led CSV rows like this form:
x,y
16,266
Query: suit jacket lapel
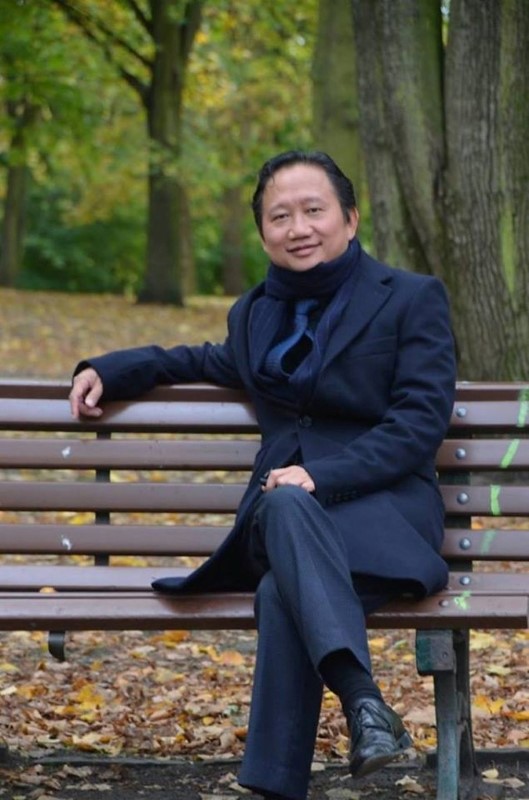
x,y
370,291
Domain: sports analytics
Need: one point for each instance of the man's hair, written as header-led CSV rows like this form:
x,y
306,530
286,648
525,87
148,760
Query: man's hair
x,y
341,184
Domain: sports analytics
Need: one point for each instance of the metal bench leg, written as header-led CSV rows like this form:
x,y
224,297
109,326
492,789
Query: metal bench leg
x,y
435,653
471,783
448,754
56,644
445,655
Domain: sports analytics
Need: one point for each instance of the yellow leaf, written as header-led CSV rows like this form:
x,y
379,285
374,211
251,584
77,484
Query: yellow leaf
x,y
479,640
520,716
174,637
88,697
6,666
486,704
81,518
498,670
378,643
231,658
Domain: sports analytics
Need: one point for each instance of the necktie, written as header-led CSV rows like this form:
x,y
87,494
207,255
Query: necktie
x,y
301,328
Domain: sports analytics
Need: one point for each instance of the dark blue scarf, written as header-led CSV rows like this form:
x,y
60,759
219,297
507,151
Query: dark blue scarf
x,y
271,318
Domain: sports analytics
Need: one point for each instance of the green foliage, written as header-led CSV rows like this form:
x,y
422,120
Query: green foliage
x,y
248,97
104,255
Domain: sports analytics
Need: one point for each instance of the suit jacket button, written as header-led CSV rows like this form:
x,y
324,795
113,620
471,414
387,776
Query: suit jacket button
x,y
305,421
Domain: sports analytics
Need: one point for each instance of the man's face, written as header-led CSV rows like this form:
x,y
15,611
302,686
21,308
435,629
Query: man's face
x,y
303,222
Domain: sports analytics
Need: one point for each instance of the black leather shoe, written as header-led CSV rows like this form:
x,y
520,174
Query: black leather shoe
x,y
377,736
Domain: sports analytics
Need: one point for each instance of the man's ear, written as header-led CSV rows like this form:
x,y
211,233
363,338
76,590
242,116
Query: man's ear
x,y
354,221
263,245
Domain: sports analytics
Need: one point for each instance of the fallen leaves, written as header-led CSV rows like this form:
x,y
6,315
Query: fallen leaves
x,y
411,785
85,325
180,692
170,694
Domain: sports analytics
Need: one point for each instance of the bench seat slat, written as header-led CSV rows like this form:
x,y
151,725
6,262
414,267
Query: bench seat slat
x,y
124,611
65,577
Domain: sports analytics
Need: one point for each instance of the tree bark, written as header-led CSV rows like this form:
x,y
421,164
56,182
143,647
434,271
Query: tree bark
x,y
487,197
22,115
445,136
11,249
232,241
394,236
171,26
335,107
168,245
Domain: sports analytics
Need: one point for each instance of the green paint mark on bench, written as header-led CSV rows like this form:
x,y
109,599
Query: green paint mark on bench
x,y
510,454
488,538
495,508
523,412
462,600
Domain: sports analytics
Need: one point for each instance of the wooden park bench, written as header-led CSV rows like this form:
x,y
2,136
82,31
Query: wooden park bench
x,y
177,460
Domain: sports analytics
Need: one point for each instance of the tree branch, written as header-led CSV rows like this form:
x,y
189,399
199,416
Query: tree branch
x,y
144,21
85,21
189,28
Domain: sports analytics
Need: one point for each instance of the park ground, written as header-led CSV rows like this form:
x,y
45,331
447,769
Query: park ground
x,y
163,715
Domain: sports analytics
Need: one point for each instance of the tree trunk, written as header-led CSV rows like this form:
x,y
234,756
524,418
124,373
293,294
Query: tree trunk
x,y
447,152
487,196
394,236
232,241
335,107
167,252
22,115
13,224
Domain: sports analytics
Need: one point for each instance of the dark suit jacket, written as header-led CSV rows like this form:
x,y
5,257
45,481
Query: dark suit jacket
x,y
368,436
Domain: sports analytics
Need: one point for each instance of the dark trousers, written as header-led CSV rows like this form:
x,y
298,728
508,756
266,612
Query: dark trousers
x,y
306,607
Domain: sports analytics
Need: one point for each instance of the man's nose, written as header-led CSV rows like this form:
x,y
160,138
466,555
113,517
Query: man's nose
x,y
299,226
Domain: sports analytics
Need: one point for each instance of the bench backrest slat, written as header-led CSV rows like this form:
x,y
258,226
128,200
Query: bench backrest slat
x,y
70,453
183,453
68,539
491,500
135,497
223,454
200,540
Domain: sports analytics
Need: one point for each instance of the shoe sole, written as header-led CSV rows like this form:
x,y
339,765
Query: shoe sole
x,y
377,762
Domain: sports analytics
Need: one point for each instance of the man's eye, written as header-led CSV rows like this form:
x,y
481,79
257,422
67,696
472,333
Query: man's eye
x,y
279,217
314,209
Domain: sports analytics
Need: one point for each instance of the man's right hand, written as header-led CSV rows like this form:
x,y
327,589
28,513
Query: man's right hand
x,y
86,390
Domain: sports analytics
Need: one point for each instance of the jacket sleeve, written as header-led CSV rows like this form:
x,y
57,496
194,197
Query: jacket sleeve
x,y
129,373
406,439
